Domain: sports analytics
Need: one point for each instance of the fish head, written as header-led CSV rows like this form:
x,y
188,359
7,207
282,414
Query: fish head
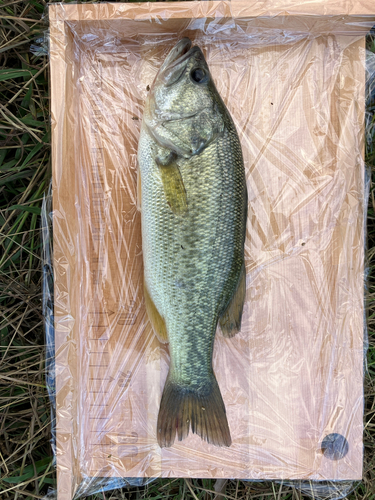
x,y
181,86
183,109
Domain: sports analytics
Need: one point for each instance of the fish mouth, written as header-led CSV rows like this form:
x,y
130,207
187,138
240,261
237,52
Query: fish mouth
x,y
179,51
175,63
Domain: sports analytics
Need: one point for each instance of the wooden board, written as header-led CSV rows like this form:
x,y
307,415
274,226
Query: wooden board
x,y
295,372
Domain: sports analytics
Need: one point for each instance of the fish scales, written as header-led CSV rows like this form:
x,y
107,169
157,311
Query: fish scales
x,y
193,231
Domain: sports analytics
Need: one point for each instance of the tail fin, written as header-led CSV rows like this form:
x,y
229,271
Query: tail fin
x,y
203,410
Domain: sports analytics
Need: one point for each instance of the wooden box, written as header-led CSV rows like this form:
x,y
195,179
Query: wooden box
x,y
292,75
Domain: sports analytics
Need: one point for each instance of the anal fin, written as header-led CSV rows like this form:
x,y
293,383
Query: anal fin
x,y
230,321
157,322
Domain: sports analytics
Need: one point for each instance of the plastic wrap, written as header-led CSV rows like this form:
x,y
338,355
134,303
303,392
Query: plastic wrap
x,y
48,303
293,79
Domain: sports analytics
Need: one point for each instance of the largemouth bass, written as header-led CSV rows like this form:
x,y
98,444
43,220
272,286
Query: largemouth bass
x,y
194,208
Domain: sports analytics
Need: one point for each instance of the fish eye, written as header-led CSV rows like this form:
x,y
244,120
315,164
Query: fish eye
x,y
199,75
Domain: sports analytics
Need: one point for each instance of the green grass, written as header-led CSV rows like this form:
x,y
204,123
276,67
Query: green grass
x,y
25,452
26,465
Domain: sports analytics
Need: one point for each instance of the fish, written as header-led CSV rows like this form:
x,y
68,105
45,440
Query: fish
x,y
193,202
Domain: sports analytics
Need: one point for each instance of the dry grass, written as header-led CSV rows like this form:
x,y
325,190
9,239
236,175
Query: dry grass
x,y
26,465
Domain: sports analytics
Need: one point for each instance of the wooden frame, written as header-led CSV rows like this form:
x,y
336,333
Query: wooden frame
x,y
284,254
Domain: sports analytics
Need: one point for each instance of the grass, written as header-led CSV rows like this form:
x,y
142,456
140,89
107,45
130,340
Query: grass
x,y
27,470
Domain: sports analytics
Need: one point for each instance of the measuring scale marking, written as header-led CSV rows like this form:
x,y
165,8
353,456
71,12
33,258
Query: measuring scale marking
x,y
103,323
121,358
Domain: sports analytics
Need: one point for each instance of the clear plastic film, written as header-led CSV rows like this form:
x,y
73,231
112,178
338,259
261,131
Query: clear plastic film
x,y
293,78
48,303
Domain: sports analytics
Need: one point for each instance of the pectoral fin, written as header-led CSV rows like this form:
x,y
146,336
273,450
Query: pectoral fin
x,y
230,321
157,322
174,188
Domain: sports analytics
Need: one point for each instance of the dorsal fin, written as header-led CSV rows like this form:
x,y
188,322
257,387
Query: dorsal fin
x,y
230,321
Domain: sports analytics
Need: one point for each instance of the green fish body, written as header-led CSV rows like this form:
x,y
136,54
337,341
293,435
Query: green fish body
x,y
194,209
